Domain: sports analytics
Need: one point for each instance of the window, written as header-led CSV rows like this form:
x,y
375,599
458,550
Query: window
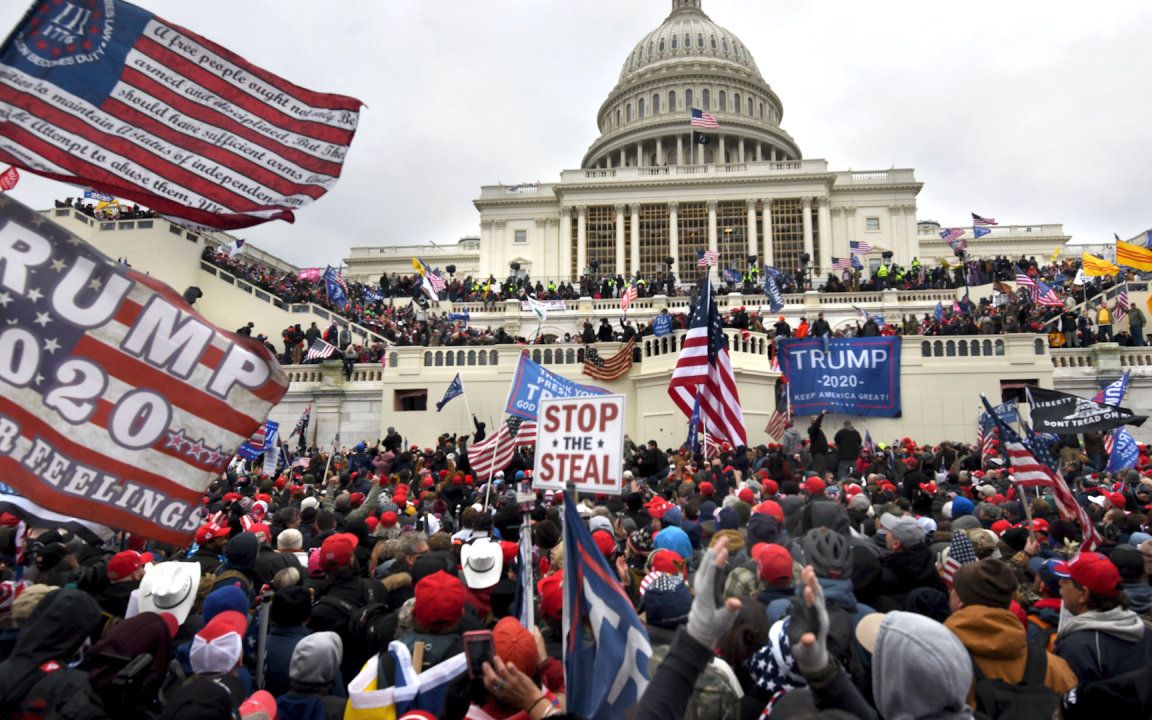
x,y
761,110
700,40
872,224
688,99
661,44
671,101
655,104
706,99
617,117
736,103
674,39
640,108
410,400
712,39
722,105
725,42
628,109
521,237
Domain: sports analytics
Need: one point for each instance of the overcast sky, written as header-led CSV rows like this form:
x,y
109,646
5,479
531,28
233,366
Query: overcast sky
x,y
1026,111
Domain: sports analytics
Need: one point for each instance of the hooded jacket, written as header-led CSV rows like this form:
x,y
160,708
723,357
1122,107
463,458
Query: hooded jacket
x,y
1101,645
919,670
998,644
37,675
315,665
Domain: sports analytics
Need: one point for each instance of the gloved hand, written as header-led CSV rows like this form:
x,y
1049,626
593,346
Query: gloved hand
x,y
707,622
808,630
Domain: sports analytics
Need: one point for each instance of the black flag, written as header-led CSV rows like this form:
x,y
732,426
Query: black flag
x,y
700,138
1064,414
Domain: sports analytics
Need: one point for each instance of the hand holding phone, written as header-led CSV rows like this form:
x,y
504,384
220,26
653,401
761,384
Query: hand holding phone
x,y
478,649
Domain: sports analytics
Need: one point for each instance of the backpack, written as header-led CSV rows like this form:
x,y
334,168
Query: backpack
x,y
1049,636
436,647
1031,699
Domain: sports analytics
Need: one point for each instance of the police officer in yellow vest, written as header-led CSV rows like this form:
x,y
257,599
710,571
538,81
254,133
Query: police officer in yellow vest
x,y
882,276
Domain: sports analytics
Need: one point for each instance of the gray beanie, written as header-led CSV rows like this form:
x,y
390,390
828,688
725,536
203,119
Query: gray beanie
x,y
316,659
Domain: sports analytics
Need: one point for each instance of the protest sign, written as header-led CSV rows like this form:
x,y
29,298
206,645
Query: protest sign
x,y
851,376
580,440
532,383
662,325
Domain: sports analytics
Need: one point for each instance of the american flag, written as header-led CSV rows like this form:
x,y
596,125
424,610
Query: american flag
x,y
144,109
777,424
630,293
701,119
843,263
495,452
614,367
978,221
320,350
960,553
155,394
985,435
712,447
704,364
1046,296
1025,280
868,445
1030,463
1122,303
707,258
302,423
859,247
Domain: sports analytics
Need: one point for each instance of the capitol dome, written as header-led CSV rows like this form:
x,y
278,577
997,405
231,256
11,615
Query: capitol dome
x,y
689,62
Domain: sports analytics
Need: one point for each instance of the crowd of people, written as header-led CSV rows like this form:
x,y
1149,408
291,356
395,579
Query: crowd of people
x,y
106,211
801,579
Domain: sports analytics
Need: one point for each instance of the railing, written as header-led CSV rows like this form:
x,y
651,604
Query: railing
x,y
962,347
295,308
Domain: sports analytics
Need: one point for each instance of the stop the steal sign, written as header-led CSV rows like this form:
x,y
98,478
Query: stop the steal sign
x,y
580,440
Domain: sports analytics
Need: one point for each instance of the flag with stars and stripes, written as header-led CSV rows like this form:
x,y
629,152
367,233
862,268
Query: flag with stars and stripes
x,y
704,365
954,238
1122,303
707,258
630,294
979,221
302,423
1046,296
614,367
320,350
1030,468
843,263
119,402
859,247
261,441
961,552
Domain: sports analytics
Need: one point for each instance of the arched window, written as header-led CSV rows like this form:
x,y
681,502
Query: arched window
x,y
688,99
700,40
672,101
761,111
736,103
712,39
628,111
617,117
661,44
749,107
706,99
722,105
725,42
655,104
675,38
640,109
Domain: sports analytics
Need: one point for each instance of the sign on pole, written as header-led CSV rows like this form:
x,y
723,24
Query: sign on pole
x,y
580,440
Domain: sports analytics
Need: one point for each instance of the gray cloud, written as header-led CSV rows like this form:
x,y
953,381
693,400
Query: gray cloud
x,y
1025,111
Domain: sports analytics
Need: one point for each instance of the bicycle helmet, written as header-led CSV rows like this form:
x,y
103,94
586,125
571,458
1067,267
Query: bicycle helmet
x,y
829,553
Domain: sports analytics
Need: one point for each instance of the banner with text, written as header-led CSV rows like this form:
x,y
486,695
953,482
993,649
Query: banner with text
x,y
118,402
850,376
532,383
580,440
1056,412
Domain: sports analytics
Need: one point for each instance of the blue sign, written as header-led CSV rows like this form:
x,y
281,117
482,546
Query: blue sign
x,y
1125,453
850,376
533,383
662,325
460,316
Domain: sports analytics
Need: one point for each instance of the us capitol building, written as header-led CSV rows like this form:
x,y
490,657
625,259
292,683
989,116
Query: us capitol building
x,y
646,193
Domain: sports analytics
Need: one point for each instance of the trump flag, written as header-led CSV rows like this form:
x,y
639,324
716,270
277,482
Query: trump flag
x,y
606,647
118,402
105,94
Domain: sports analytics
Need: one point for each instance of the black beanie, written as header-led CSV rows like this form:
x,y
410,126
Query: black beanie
x,y
989,582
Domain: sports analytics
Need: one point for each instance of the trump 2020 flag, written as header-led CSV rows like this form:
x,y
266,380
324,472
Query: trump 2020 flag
x,y
337,289
118,402
606,648
455,389
105,94
261,441
1125,453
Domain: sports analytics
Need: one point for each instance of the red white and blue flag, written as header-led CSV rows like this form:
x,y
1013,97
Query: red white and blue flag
x,y
859,247
707,258
630,294
701,119
302,423
118,402
704,366
261,441
978,221
104,94
606,647
954,238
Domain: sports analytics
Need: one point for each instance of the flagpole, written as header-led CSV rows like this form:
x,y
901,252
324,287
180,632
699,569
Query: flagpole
x,y
327,465
491,472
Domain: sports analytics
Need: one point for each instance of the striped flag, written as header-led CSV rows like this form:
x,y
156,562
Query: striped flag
x,y
701,119
843,263
320,350
132,401
1122,303
986,436
107,95
1133,256
777,424
260,442
1025,281
630,294
1097,267
613,368
1046,296
495,452
978,221
526,434
302,423
704,364
859,247
707,258
1030,471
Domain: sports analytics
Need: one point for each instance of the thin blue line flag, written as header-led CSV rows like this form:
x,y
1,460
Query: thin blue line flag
x,y
455,389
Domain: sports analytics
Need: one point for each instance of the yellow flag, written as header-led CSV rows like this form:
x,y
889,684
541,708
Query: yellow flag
x,y
418,265
1055,254
1095,267
1133,256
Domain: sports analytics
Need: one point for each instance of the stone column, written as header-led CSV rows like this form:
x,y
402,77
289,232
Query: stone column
x,y
713,240
566,244
806,218
659,152
620,238
623,158
581,239
773,153
634,238
753,248
741,146
680,150
674,235
824,218
720,157
639,154
759,151
766,218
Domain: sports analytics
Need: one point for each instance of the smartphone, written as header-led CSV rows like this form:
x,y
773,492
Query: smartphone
x,y
478,649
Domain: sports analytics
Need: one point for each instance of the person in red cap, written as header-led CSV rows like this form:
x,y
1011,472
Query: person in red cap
x,y
341,593
124,571
521,650
210,541
1104,638
436,614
